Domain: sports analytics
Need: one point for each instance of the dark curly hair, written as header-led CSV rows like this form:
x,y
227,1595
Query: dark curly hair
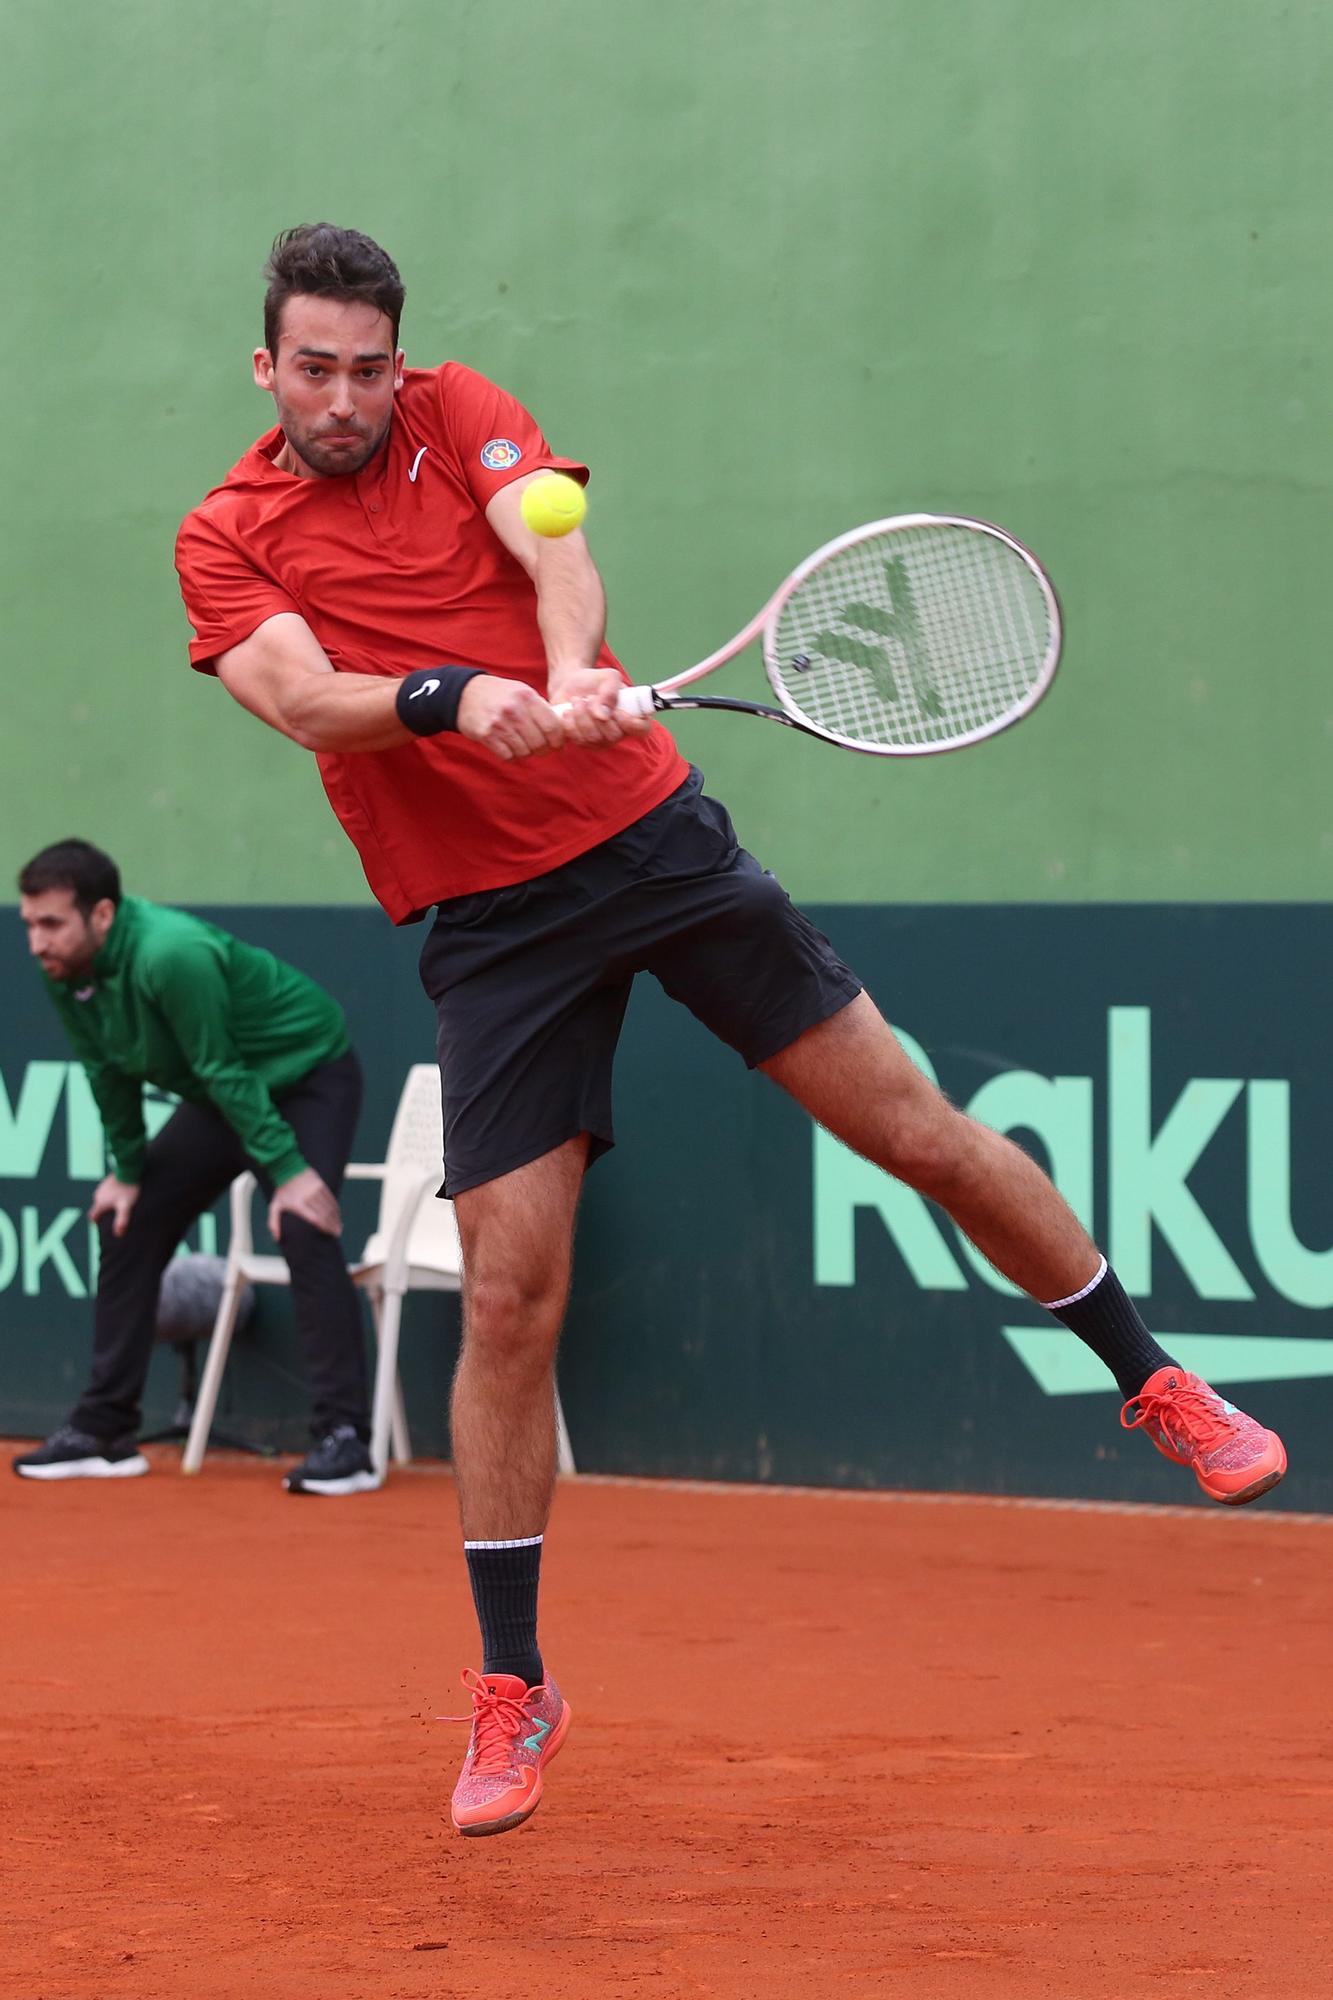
x,y
319,258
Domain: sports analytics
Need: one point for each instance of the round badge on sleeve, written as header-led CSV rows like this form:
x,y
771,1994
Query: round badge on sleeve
x,y
498,454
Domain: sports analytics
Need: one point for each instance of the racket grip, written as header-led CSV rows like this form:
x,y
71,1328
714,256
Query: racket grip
x,y
630,701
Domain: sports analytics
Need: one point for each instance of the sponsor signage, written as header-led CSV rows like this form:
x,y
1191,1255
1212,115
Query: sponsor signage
x,y
753,1301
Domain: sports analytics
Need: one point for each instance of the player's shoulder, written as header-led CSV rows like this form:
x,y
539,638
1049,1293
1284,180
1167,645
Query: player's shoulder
x,y
443,406
249,477
448,387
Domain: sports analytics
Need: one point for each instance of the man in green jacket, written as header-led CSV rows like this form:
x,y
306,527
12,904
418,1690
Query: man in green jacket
x,y
260,1057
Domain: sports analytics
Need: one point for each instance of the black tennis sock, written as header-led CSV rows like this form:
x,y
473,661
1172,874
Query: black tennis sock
x,y
504,1589
1106,1319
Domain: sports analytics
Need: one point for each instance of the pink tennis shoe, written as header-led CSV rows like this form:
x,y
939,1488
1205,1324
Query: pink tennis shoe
x,y
516,1730
1234,1458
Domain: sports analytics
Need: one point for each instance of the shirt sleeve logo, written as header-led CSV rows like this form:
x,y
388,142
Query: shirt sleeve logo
x,y
498,454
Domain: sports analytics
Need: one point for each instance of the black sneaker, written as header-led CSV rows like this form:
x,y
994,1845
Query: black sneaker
x,y
71,1454
338,1464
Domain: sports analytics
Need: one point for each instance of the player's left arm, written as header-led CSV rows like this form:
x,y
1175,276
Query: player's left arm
x,y
571,614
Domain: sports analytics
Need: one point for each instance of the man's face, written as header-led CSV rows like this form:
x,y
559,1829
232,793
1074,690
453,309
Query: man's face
x,y
333,379
60,937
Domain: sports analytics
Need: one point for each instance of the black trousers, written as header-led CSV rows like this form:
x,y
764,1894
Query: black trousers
x,y
190,1162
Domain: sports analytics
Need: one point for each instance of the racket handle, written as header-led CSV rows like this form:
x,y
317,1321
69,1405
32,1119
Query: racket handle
x,y
630,701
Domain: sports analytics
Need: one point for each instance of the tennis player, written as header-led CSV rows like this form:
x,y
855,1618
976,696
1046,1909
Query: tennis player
x,y
260,1055
363,582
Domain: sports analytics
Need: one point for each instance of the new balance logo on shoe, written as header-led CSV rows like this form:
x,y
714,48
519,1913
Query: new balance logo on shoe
x,y
1234,1458
501,1780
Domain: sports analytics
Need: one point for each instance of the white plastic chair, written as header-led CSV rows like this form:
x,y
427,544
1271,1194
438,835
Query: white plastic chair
x,y
414,1247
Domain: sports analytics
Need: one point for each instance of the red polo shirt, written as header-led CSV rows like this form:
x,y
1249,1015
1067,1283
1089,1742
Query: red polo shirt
x,y
395,568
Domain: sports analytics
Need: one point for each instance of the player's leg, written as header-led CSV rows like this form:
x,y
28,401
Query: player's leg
x,y
731,946
187,1166
851,1073
529,1011
517,1234
322,1110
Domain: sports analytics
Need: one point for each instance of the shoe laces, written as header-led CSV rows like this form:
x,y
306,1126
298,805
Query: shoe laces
x,y
1194,1416
496,1720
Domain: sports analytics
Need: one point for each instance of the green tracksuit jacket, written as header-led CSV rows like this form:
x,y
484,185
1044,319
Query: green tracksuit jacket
x,y
173,1001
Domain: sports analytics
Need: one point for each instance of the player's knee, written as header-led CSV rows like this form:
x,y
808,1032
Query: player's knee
x,y
514,1314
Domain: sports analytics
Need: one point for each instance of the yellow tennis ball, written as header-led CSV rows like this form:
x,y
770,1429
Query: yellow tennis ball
x,y
553,504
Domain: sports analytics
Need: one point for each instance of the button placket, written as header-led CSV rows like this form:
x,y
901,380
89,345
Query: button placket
x,y
374,510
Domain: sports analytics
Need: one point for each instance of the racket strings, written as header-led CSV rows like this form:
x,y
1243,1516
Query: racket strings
x,y
918,636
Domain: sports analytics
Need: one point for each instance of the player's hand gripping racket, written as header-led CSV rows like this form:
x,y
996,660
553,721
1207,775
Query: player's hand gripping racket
x,y
921,633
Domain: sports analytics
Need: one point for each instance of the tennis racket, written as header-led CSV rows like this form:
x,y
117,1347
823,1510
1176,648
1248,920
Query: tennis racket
x,y
921,633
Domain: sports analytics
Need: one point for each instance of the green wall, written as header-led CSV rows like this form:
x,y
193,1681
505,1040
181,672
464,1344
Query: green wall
x,y
773,272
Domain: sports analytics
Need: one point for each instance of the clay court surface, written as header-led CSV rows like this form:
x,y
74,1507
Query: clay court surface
x,y
822,1744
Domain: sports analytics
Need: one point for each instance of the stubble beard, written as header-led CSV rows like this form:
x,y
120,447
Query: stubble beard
x,y
331,464
70,970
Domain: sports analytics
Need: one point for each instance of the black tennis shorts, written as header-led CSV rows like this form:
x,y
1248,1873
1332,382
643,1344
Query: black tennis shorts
x,y
530,983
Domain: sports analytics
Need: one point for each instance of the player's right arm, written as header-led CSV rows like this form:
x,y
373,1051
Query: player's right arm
x,y
282,674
